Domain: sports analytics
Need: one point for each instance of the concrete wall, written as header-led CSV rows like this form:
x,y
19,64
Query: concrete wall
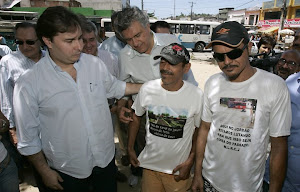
x,y
237,15
253,13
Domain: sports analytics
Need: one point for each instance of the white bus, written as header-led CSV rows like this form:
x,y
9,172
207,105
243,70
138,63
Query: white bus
x,y
192,34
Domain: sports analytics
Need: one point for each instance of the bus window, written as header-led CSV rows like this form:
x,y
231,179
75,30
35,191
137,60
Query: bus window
x,y
187,28
202,29
174,28
107,27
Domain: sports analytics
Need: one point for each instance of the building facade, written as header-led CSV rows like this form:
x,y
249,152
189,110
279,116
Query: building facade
x,y
223,13
252,16
271,13
237,15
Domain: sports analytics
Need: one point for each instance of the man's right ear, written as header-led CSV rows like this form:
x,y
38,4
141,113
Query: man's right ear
x,y
47,42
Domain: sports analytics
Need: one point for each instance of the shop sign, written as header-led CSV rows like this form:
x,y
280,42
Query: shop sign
x,y
292,23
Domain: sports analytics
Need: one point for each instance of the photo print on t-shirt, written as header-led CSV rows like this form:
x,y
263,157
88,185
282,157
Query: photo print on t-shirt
x,y
166,122
237,122
242,109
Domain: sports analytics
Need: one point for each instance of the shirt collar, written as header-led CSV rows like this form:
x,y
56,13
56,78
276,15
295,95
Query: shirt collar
x,y
22,55
55,66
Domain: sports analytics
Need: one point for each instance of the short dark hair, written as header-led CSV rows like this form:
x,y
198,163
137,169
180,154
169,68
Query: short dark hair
x,y
266,40
55,20
24,25
159,24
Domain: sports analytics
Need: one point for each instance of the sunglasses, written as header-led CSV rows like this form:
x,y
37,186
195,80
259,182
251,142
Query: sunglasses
x,y
234,54
290,64
28,42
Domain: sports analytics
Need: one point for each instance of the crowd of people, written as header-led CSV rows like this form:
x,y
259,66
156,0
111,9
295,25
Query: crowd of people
x,y
61,105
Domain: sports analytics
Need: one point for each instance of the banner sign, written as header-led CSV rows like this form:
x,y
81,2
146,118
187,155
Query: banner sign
x,y
292,23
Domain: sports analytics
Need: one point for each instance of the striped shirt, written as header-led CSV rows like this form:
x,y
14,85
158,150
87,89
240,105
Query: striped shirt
x,y
12,66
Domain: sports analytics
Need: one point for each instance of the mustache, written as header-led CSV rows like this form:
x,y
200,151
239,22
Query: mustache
x,y
165,72
227,66
283,69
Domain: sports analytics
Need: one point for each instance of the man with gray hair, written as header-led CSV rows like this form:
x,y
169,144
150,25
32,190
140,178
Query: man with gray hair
x,y
136,58
91,46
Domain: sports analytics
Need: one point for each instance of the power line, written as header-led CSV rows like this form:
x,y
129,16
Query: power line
x,y
244,4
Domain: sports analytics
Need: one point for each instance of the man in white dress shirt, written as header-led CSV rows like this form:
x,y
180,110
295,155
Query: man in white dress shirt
x,y
14,64
62,114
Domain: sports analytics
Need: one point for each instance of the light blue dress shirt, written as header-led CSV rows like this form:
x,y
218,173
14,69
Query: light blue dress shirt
x,y
292,181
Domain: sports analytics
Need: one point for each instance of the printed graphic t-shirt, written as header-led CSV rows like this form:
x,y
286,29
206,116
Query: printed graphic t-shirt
x,y
242,115
171,121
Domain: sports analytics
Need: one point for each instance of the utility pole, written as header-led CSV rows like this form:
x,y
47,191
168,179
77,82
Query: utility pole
x,y
282,18
174,17
192,10
142,5
127,3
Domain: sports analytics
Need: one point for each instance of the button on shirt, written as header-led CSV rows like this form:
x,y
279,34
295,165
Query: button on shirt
x,y
12,66
292,181
69,121
140,67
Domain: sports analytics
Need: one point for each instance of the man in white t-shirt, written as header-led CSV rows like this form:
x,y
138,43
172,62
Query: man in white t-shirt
x,y
243,108
173,108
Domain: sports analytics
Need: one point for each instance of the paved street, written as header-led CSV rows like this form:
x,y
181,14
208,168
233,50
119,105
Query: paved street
x,y
203,66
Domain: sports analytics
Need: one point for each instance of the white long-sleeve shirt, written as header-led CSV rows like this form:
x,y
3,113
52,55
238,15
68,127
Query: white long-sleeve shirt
x,y
69,121
12,66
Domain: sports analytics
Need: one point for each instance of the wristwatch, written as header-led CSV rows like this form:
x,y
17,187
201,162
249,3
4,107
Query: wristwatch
x,y
3,123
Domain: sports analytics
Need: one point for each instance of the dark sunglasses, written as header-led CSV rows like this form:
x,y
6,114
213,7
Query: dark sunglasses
x,y
234,54
290,64
28,42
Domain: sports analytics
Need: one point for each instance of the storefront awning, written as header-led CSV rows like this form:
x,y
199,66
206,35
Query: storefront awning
x,y
268,29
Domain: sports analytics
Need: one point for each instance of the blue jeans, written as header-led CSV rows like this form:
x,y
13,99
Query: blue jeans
x,y
9,178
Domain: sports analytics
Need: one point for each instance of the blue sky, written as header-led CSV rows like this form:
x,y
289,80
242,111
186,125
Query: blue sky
x,y
165,8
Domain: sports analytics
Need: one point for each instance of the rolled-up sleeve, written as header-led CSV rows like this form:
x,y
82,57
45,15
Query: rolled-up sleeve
x,y
27,118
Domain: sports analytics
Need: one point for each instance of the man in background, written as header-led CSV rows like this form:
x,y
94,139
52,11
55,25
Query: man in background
x,y
288,63
115,43
160,27
265,46
13,66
